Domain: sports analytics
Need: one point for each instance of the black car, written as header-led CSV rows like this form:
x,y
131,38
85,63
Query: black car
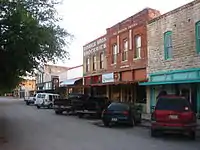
x,y
121,113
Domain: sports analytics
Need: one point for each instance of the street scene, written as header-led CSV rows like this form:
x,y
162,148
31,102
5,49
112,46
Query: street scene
x,y
27,128
99,75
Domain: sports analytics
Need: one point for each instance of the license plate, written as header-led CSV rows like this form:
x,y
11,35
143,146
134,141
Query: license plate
x,y
114,119
173,116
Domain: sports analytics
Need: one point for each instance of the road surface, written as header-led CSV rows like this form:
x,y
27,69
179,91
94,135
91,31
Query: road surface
x,y
27,128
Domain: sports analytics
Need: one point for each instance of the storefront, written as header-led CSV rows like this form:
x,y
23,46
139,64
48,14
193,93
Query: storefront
x,y
183,82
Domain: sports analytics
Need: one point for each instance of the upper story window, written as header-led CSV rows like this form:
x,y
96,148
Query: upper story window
x,y
168,45
87,64
197,31
101,60
138,45
114,53
94,63
125,50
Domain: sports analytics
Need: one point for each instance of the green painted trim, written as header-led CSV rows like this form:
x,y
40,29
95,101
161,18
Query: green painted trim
x,y
166,54
169,82
174,71
197,38
198,99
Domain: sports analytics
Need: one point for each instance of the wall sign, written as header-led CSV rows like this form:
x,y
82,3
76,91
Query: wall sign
x,y
108,77
97,45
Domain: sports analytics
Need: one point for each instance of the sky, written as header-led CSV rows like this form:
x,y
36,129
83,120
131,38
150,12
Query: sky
x,y
88,19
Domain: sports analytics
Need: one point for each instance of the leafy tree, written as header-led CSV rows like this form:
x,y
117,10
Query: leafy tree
x,y
29,35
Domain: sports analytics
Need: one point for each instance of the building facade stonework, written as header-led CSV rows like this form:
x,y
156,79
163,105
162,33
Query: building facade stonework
x,y
182,24
173,55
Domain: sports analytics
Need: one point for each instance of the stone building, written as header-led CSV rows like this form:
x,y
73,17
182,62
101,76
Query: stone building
x,y
174,54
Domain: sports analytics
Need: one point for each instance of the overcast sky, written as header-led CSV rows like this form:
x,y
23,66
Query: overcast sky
x,y
88,19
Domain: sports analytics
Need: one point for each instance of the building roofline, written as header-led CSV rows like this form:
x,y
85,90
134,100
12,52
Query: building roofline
x,y
94,40
57,66
75,67
133,16
174,11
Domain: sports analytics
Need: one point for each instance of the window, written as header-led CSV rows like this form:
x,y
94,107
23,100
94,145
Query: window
x,y
138,44
94,62
197,36
114,54
125,50
87,64
168,45
101,60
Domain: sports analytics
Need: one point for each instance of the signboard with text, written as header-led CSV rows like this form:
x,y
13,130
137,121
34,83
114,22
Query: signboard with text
x,y
97,45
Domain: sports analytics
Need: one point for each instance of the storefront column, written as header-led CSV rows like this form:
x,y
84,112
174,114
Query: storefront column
x,y
108,91
121,93
198,99
148,105
152,98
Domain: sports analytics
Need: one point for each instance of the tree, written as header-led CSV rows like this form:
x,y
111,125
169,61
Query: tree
x,y
29,35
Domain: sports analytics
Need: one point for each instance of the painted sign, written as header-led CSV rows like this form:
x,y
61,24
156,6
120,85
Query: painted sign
x,y
108,77
125,29
97,45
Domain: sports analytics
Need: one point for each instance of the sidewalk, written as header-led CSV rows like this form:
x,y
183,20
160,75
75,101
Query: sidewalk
x,y
147,117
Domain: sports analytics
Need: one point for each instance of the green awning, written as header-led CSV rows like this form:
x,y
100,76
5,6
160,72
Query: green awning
x,y
169,82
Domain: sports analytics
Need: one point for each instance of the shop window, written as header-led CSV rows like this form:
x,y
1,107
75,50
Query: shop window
x,y
197,30
114,54
94,63
168,45
101,60
138,45
125,50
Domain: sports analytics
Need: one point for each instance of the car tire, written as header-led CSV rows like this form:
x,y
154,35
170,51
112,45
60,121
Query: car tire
x,y
80,115
58,112
106,123
192,135
50,106
154,133
27,103
38,107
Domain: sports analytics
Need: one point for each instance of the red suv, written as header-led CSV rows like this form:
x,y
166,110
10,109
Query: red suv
x,y
173,113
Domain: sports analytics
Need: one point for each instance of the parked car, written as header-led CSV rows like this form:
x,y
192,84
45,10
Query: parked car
x,y
30,100
45,100
121,113
93,106
70,104
173,113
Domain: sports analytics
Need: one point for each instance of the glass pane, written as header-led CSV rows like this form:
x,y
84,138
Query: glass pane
x,y
138,41
198,30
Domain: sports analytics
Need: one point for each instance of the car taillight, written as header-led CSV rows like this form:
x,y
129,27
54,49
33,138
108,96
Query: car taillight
x,y
125,113
153,116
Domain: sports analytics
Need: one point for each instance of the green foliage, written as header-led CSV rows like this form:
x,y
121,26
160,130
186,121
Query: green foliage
x,y
29,35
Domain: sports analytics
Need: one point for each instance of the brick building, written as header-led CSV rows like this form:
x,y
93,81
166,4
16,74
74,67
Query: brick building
x,y
127,56
173,54
94,64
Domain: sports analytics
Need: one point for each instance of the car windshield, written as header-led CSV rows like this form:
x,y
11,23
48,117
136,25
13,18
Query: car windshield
x,y
175,104
118,106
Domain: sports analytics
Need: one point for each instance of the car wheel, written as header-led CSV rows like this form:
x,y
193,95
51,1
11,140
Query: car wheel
x,y
27,103
154,133
50,106
58,112
106,123
38,107
192,135
80,115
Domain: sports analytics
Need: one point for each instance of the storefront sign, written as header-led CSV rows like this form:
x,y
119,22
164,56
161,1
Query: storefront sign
x,y
108,77
97,45
125,29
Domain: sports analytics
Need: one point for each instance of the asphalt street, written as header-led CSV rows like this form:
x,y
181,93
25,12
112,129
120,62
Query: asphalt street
x,y
27,128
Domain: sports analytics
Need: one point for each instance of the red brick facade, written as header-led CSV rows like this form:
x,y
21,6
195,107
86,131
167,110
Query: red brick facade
x,y
136,25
